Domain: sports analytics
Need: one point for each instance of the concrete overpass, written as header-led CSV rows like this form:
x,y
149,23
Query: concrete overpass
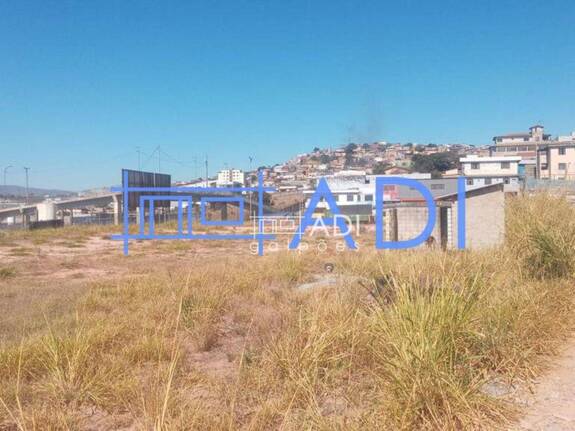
x,y
48,209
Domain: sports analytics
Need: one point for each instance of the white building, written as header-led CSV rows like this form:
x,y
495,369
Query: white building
x,y
566,138
354,191
229,177
482,171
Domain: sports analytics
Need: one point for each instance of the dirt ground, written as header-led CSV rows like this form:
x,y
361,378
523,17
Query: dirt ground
x,y
551,405
47,275
45,279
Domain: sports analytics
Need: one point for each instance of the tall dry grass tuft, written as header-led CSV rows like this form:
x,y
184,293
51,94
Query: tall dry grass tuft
x,y
540,232
423,344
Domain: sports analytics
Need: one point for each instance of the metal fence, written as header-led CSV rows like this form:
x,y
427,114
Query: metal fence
x,y
532,184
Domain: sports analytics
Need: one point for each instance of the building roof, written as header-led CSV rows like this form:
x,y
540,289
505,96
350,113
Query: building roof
x,y
437,187
476,191
519,135
489,159
408,194
514,135
557,144
445,189
397,169
356,209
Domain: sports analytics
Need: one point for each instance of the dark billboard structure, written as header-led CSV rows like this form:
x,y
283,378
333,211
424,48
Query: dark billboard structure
x,y
148,180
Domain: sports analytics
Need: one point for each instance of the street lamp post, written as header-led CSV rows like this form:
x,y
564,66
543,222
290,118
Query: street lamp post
x,y
27,188
5,170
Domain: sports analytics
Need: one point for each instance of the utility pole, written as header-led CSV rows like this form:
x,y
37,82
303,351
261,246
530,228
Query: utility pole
x,y
250,183
139,158
159,159
207,182
27,188
6,169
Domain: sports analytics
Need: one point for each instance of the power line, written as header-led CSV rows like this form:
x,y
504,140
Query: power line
x,y
151,155
176,160
55,167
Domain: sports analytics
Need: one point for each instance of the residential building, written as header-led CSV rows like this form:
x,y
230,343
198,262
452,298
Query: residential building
x,y
556,161
397,170
354,194
524,145
484,220
481,171
228,177
527,169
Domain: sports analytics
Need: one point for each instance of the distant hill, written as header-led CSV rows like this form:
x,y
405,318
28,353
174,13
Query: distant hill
x,y
21,191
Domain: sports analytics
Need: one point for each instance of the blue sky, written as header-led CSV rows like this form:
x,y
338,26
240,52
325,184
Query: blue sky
x,y
83,84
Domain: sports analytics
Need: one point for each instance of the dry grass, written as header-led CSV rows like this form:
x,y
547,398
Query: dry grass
x,y
405,340
541,232
7,272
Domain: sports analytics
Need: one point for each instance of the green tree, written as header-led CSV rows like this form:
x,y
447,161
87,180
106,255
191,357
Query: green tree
x,y
380,167
435,163
350,148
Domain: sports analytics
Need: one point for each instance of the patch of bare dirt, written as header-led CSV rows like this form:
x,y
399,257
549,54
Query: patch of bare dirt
x,y
222,359
551,405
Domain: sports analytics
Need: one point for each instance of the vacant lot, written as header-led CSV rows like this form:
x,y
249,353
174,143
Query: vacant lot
x,y
204,335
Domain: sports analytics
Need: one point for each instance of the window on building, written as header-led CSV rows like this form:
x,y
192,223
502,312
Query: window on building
x,y
505,165
562,151
487,181
369,198
469,181
562,166
350,197
475,166
437,186
543,166
506,180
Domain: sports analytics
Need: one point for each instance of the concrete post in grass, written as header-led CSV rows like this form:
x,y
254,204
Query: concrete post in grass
x,y
117,207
